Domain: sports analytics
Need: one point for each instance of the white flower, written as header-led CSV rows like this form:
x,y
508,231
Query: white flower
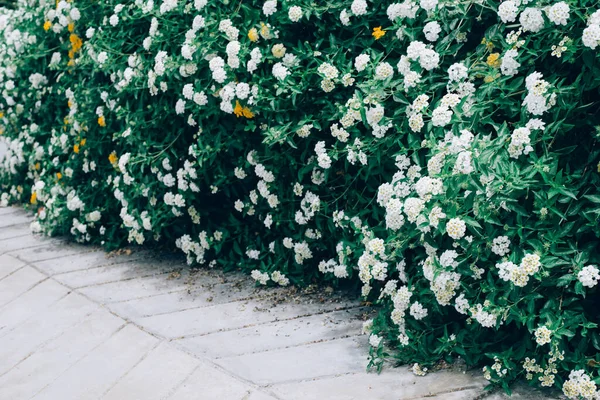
x,y
295,13
359,7
441,116
507,11
432,31
429,59
180,106
589,276
113,20
591,36
532,19
360,62
558,13
270,7
501,246
383,71
280,71
542,335
418,311
428,5
456,228
509,64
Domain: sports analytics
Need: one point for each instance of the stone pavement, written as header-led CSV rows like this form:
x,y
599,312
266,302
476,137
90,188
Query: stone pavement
x,y
78,324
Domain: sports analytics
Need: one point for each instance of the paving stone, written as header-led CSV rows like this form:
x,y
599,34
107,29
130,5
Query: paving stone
x,y
8,265
112,273
54,358
134,288
256,395
227,316
14,231
95,373
391,384
208,383
22,242
337,324
84,261
22,341
303,362
10,210
35,300
50,251
14,219
155,377
209,294
20,281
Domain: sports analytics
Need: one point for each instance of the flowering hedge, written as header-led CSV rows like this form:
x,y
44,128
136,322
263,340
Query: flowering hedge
x,y
441,155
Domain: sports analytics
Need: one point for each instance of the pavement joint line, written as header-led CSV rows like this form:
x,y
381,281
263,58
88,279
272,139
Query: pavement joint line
x,y
120,280
303,380
12,273
292,346
15,237
7,253
146,297
13,225
119,329
260,323
185,378
28,289
110,264
119,379
51,258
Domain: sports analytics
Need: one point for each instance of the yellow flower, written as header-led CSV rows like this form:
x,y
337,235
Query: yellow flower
x,y
1,114
58,176
247,113
76,148
488,79
598,167
113,158
83,142
101,121
69,104
37,166
378,33
33,198
253,35
71,27
493,60
47,25
76,43
238,110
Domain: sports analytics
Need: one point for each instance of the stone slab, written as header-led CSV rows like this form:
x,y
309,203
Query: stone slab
x,y
208,383
227,316
303,362
15,231
8,265
113,273
14,219
22,341
22,242
391,384
50,361
17,283
296,332
209,294
78,262
98,371
50,251
134,288
156,376
30,303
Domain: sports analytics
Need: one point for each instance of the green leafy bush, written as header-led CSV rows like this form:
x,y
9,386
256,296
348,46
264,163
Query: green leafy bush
x,y
440,156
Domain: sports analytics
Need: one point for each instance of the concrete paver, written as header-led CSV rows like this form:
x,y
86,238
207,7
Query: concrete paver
x,y
76,324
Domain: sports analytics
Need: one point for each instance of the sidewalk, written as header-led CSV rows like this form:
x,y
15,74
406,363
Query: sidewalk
x,y
76,325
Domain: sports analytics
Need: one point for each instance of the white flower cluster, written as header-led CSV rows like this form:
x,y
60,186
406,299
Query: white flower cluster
x,y
589,276
519,274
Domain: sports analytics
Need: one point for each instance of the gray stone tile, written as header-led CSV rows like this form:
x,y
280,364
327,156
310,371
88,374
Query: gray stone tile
x,y
304,362
155,377
22,341
10,210
134,288
281,334
112,273
83,261
23,242
204,292
14,219
15,231
50,361
208,383
51,251
95,373
256,395
227,316
35,300
18,283
8,265
391,384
